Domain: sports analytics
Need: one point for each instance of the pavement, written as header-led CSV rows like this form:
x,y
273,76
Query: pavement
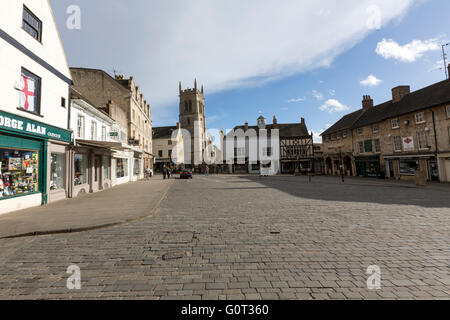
x,y
249,237
118,205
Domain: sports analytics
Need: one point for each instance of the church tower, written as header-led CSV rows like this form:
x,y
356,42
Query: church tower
x,y
193,119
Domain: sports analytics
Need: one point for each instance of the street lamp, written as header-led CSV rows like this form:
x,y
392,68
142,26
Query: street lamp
x,y
445,59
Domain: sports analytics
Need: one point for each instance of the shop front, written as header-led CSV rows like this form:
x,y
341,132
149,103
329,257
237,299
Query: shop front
x,y
92,166
369,167
33,163
405,167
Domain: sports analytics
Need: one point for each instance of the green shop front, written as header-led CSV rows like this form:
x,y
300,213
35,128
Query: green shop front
x,y
368,167
34,158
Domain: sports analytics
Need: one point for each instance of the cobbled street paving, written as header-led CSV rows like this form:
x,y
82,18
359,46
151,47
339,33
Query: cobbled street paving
x,y
230,237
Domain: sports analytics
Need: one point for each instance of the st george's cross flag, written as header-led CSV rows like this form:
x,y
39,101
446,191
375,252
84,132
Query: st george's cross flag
x,y
27,94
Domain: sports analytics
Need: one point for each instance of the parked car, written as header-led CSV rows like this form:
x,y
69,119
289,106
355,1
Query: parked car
x,y
185,174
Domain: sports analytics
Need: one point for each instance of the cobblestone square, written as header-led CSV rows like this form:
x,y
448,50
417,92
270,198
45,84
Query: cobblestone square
x,y
250,237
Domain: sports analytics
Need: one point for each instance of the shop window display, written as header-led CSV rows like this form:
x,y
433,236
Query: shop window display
x,y
80,169
57,170
121,168
408,167
19,172
137,167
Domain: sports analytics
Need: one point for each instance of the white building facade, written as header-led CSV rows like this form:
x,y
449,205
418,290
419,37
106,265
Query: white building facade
x,y
34,107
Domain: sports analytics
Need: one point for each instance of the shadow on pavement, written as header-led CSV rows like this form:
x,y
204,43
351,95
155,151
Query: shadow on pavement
x,y
358,190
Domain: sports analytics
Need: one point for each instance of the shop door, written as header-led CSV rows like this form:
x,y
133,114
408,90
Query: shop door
x,y
97,171
447,169
391,169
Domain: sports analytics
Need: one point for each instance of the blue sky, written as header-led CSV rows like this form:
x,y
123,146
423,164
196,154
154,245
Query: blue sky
x,y
258,57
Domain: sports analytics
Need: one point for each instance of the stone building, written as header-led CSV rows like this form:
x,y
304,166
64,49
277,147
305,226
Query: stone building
x,y
397,139
105,91
168,147
192,140
293,147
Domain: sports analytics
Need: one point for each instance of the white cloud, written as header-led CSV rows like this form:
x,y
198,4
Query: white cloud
x,y
317,95
332,92
371,81
410,52
295,100
333,106
316,134
224,44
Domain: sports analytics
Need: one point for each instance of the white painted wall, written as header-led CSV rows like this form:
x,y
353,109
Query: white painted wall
x,y
50,50
90,114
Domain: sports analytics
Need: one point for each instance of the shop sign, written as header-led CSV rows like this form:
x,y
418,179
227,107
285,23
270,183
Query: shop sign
x,y
408,144
113,134
23,125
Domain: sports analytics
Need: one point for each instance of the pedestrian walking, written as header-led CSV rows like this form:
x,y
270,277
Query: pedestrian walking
x,y
148,173
169,172
164,172
207,170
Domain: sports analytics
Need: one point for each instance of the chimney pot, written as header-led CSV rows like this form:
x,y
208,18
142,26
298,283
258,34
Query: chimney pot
x,y
398,93
367,102
274,120
246,126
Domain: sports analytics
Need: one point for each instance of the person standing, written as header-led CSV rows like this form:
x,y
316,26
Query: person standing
x,y
164,172
169,172
207,170
148,173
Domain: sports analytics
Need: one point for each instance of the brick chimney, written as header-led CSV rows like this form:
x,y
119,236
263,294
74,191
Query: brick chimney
x,y
302,121
367,102
274,120
399,92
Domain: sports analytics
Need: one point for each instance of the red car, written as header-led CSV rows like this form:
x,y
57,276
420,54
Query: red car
x,y
185,174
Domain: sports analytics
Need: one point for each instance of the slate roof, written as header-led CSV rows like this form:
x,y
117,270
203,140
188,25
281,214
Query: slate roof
x,y
286,129
163,132
428,97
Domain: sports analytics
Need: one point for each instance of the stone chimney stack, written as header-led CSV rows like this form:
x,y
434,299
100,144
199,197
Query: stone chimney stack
x,y
367,102
178,125
246,126
399,92
302,121
275,120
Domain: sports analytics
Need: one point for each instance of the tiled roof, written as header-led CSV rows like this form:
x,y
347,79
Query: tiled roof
x,y
163,132
431,96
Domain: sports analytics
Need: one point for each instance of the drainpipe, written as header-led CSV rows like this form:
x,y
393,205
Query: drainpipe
x,y
436,142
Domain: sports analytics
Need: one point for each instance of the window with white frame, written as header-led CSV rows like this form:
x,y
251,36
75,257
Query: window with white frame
x,y
103,133
344,134
80,127
395,124
361,147
398,144
93,130
423,140
420,117
240,152
376,128
377,144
